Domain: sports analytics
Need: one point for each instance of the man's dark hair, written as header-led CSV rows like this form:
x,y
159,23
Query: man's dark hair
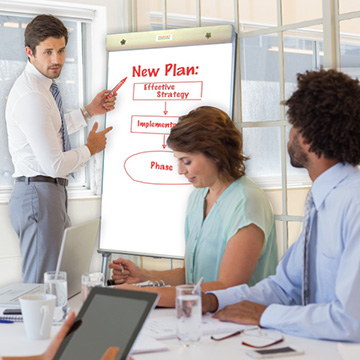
x,y
42,27
325,109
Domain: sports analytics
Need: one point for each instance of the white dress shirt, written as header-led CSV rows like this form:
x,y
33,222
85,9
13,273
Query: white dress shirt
x,y
334,268
34,123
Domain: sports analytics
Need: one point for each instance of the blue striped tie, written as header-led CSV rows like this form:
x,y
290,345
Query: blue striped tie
x,y
306,238
65,136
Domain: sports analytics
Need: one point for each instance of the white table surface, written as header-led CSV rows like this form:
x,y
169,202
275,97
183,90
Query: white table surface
x,y
13,342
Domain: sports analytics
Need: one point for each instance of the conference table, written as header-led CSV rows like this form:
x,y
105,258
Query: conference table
x,y
13,342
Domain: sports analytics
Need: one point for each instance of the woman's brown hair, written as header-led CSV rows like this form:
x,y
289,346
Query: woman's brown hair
x,y
210,131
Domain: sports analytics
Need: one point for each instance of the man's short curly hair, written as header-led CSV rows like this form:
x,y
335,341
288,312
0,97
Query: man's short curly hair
x,y
210,131
326,110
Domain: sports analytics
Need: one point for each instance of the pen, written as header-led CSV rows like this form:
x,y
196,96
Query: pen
x,y
116,88
199,283
231,335
6,322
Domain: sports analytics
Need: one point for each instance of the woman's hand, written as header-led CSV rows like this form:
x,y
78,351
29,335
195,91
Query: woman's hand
x,y
125,271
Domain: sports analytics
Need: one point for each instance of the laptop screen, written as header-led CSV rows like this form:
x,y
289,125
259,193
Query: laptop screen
x,y
110,317
76,252
75,255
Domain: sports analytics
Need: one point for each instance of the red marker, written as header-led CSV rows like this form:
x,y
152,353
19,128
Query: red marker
x,y
116,88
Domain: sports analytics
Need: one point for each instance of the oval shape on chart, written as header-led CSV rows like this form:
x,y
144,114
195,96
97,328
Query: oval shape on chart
x,y
154,167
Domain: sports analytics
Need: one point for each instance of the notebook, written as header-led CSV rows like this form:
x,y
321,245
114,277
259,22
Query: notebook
x,y
75,256
165,327
109,317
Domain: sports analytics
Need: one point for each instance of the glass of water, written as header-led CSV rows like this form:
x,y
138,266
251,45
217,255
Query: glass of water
x,y
56,284
88,281
188,313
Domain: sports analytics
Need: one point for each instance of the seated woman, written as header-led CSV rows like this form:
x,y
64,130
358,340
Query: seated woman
x,y
229,228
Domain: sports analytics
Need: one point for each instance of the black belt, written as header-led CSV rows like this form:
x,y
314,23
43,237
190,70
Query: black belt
x,y
41,178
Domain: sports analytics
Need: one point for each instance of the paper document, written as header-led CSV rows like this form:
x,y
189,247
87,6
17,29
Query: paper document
x,y
165,327
146,344
349,351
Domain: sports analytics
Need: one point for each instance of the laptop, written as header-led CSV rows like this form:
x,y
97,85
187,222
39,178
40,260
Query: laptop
x,y
109,317
75,256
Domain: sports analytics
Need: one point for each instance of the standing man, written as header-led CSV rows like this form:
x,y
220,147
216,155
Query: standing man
x,y
39,146
315,292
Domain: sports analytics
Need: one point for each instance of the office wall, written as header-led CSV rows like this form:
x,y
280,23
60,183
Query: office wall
x,y
114,10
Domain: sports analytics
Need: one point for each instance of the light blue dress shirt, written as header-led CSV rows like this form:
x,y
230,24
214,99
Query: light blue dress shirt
x,y
241,204
333,311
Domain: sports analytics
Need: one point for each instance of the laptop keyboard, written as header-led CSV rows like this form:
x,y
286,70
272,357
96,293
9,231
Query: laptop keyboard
x,y
36,290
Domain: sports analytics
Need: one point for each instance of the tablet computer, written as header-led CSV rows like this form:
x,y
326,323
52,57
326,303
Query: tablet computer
x,y
109,317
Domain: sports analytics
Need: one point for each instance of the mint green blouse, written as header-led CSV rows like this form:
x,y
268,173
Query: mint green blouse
x,y
241,204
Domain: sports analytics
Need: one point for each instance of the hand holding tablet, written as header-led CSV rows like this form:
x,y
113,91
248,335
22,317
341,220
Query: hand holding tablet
x,y
109,318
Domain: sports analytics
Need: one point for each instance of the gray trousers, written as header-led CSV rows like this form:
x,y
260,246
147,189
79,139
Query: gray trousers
x,y
38,214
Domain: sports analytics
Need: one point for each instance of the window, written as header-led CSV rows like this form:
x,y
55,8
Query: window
x,y
349,30
12,63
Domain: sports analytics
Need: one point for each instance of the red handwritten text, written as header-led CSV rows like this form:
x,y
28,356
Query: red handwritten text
x,y
155,166
169,70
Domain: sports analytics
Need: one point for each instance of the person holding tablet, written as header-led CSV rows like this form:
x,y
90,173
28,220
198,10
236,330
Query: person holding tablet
x,y
229,228
50,352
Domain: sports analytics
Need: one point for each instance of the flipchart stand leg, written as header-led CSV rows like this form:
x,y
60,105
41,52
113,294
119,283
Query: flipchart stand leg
x,y
104,265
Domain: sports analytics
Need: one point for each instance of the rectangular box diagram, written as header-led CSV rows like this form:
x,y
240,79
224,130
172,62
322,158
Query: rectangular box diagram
x,y
185,90
148,124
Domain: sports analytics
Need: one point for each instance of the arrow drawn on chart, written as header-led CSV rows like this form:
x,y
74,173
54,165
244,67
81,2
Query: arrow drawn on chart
x,y
165,112
164,145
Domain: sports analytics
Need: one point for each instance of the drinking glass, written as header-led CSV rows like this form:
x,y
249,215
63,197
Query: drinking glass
x,y
188,311
88,281
56,284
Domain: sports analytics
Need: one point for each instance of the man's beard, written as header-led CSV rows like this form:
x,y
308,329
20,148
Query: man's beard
x,y
298,158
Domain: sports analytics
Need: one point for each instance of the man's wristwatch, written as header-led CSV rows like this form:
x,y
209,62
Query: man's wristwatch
x,y
85,113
